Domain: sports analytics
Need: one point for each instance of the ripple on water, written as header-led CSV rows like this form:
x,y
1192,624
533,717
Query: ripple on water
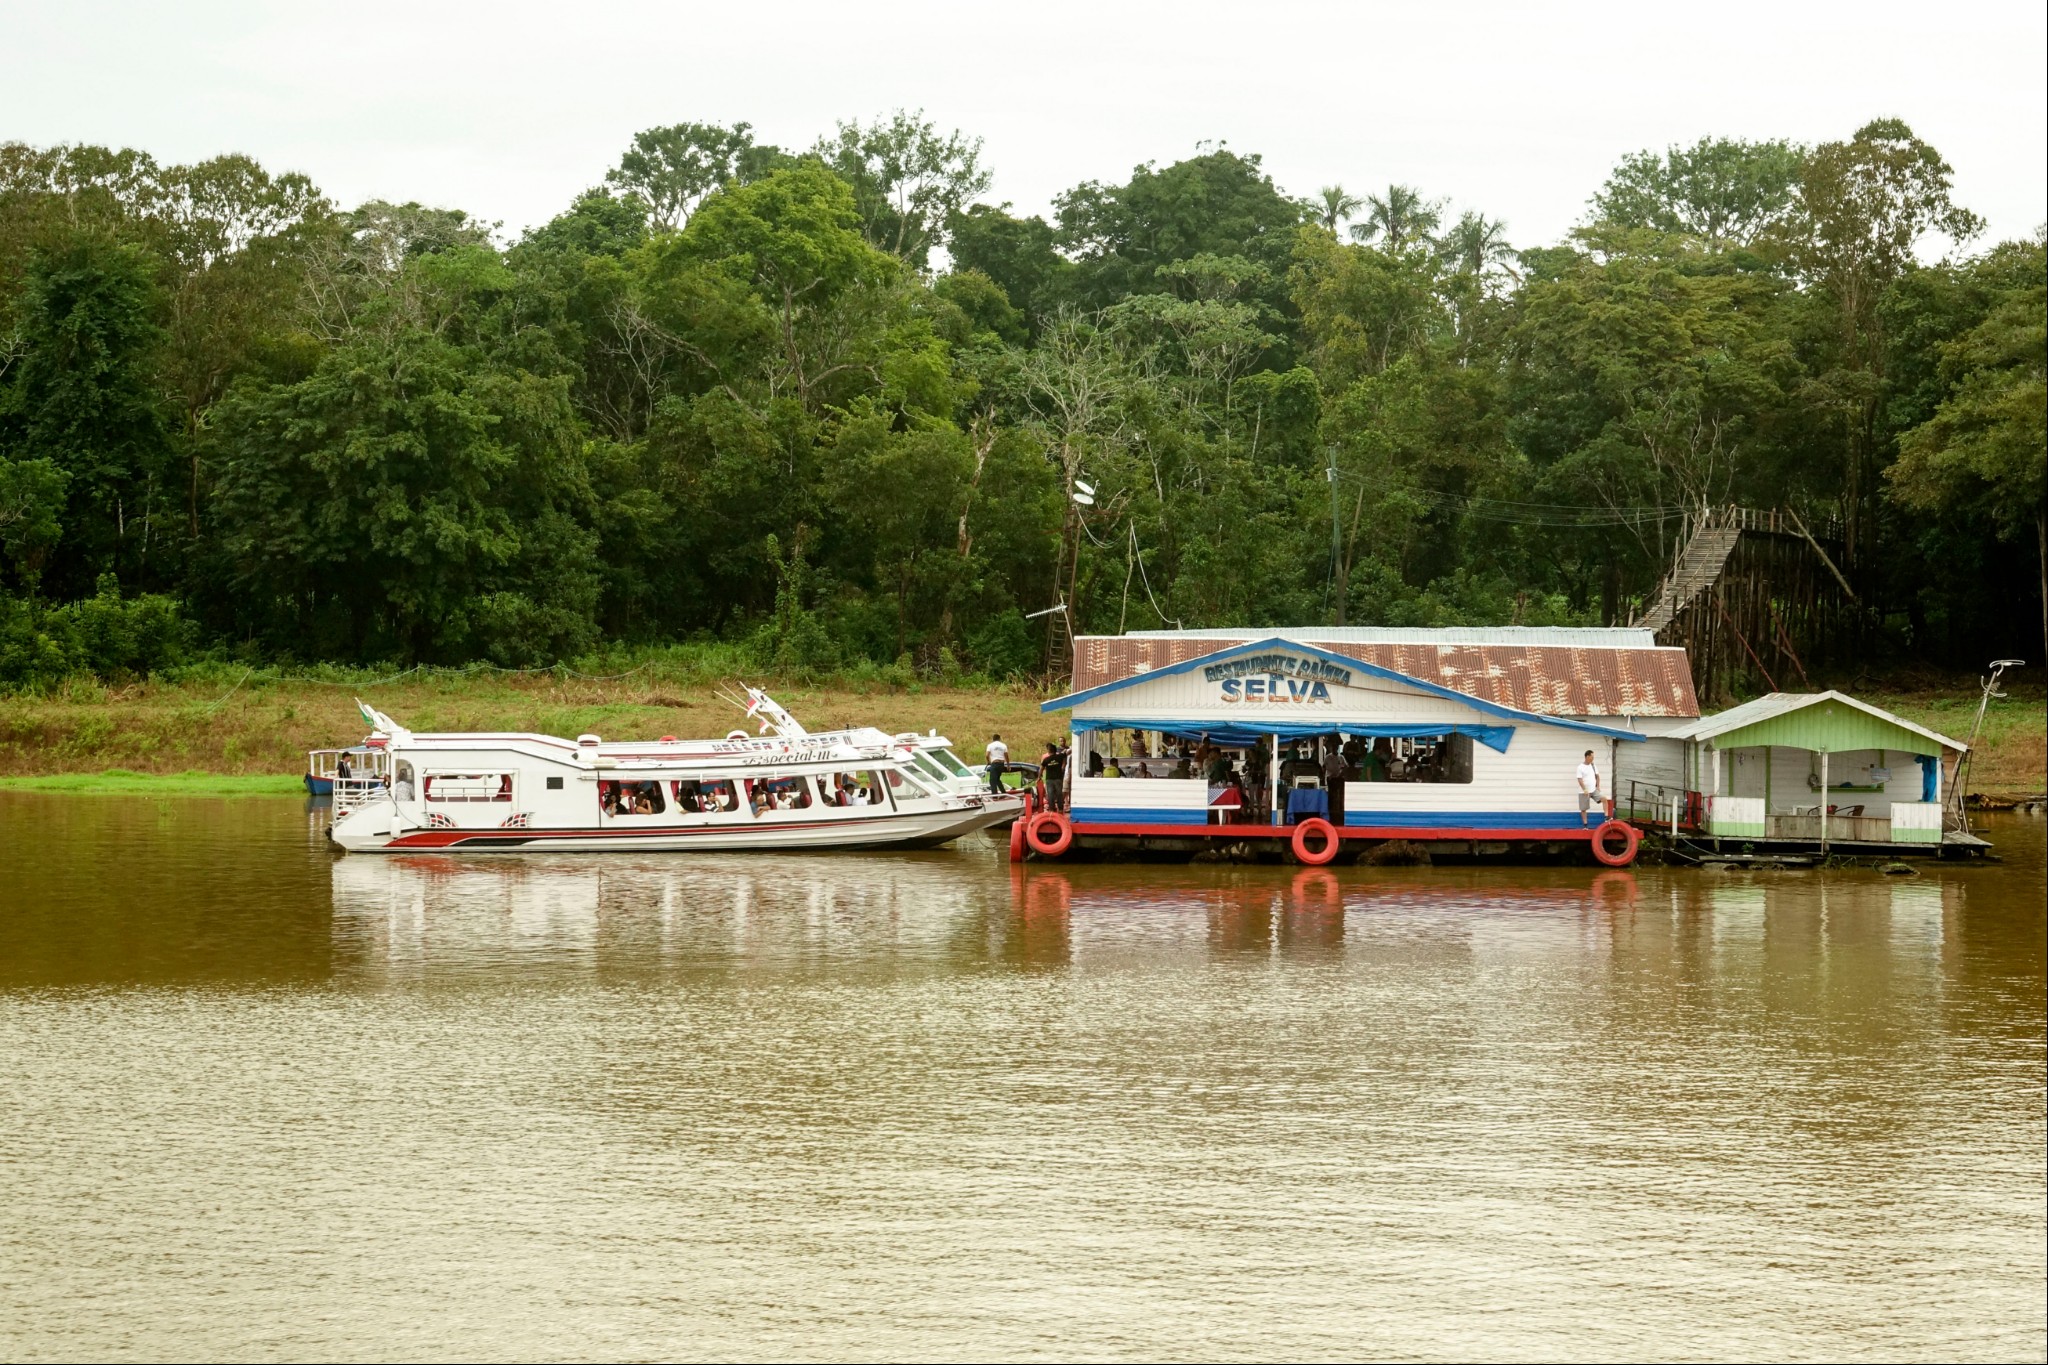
x,y
267,1103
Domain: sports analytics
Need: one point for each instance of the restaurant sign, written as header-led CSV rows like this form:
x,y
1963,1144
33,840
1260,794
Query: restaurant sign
x,y
1277,679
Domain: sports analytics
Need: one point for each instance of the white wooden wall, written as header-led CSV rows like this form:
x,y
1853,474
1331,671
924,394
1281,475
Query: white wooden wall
x,y
1186,800
1537,774
1742,774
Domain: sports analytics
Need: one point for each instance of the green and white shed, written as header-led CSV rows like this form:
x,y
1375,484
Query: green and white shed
x,y
1818,766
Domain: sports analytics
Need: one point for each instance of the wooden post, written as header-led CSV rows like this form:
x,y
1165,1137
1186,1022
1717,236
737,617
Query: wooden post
x,y
1714,794
1273,781
1823,803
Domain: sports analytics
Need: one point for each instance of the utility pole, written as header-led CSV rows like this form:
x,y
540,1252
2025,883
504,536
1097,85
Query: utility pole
x,y
1339,589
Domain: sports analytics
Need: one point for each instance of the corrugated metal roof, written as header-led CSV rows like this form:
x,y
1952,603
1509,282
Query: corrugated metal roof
x,y
1567,637
1781,704
1555,679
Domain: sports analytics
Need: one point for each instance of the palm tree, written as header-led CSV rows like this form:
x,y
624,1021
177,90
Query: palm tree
x,y
1332,205
1477,244
1400,220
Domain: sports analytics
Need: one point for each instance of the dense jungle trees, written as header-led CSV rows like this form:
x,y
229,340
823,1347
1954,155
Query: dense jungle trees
x,y
834,402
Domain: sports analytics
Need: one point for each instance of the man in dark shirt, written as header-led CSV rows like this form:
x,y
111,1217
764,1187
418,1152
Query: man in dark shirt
x,y
1335,773
1052,766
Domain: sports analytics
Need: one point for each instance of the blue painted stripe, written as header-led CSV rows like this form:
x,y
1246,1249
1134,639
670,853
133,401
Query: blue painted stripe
x,y
1149,815
1468,819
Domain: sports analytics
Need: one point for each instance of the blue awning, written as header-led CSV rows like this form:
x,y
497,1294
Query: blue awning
x,y
1240,736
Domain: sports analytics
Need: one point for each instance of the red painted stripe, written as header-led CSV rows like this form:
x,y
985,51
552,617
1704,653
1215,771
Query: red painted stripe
x,y
1234,832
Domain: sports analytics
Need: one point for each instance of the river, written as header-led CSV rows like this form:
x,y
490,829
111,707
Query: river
x,y
262,1102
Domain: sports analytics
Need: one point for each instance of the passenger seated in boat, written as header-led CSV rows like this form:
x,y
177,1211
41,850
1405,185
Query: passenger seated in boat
x,y
1110,769
401,789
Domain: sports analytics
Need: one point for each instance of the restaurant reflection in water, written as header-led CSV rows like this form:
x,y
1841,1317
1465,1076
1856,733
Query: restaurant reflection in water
x,y
404,917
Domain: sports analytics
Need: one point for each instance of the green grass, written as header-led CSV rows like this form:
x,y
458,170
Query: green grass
x,y
123,782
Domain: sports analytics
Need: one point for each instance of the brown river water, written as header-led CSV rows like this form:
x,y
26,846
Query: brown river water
x,y
261,1102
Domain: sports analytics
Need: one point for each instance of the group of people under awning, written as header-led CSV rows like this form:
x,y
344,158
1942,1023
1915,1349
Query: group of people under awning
x,y
1239,775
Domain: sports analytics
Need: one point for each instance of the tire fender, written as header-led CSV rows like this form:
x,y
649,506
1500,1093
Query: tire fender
x,y
1049,834
1614,857
1318,831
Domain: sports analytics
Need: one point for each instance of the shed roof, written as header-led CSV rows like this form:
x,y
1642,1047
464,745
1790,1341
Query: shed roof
x,y
1831,721
1543,670
1583,637
1231,651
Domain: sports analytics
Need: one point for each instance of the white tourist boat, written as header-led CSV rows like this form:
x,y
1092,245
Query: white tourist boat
x,y
784,788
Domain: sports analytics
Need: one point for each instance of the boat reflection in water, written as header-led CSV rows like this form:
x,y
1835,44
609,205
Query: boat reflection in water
x,y
406,916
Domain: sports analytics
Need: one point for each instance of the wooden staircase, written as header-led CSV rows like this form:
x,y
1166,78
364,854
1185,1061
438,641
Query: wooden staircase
x,y
1697,568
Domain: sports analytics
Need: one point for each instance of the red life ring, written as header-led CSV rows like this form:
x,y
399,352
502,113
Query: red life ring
x,y
1017,838
1321,829
1629,839
1049,833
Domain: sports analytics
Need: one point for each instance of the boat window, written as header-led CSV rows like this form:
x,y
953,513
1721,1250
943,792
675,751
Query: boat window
x,y
778,793
468,787
908,784
1422,758
949,761
862,787
696,796
631,798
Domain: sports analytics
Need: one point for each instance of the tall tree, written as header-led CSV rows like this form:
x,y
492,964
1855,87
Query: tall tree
x,y
1218,203
670,170
81,400
1863,207
1398,219
1983,455
1334,206
1477,245
1720,192
908,179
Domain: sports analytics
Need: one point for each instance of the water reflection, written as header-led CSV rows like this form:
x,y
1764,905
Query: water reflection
x,y
403,918
934,1105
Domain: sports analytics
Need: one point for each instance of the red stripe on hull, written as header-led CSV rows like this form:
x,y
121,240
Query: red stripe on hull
x,y
1348,832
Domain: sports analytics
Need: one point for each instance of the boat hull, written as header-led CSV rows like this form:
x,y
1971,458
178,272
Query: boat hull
x,y
380,828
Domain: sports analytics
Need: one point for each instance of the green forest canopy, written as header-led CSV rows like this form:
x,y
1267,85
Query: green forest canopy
x,y
835,404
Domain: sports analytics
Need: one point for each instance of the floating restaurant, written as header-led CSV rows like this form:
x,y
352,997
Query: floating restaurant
x,y
1331,740
1470,739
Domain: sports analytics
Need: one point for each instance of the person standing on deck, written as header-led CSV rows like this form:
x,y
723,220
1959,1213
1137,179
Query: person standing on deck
x,y
1589,786
998,764
1335,771
1053,768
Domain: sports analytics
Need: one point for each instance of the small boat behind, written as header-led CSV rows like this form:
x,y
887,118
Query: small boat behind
x,y
783,789
357,769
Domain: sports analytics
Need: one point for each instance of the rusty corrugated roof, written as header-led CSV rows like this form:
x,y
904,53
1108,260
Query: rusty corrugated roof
x,y
1549,680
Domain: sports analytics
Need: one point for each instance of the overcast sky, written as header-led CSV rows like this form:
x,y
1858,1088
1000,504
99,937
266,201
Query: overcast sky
x,y
1518,110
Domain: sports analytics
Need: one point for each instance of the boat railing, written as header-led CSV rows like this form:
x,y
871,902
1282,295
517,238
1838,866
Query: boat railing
x,y
352,792
1653,803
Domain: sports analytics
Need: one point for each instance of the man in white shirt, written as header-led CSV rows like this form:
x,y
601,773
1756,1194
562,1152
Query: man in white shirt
x,y
1589,786
998,764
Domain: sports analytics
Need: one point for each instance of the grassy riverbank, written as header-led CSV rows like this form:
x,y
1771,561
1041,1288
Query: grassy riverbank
x,y
214,735
160,734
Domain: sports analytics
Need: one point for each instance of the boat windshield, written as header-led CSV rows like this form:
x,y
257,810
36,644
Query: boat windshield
x,y
947,760
927,764
900,779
